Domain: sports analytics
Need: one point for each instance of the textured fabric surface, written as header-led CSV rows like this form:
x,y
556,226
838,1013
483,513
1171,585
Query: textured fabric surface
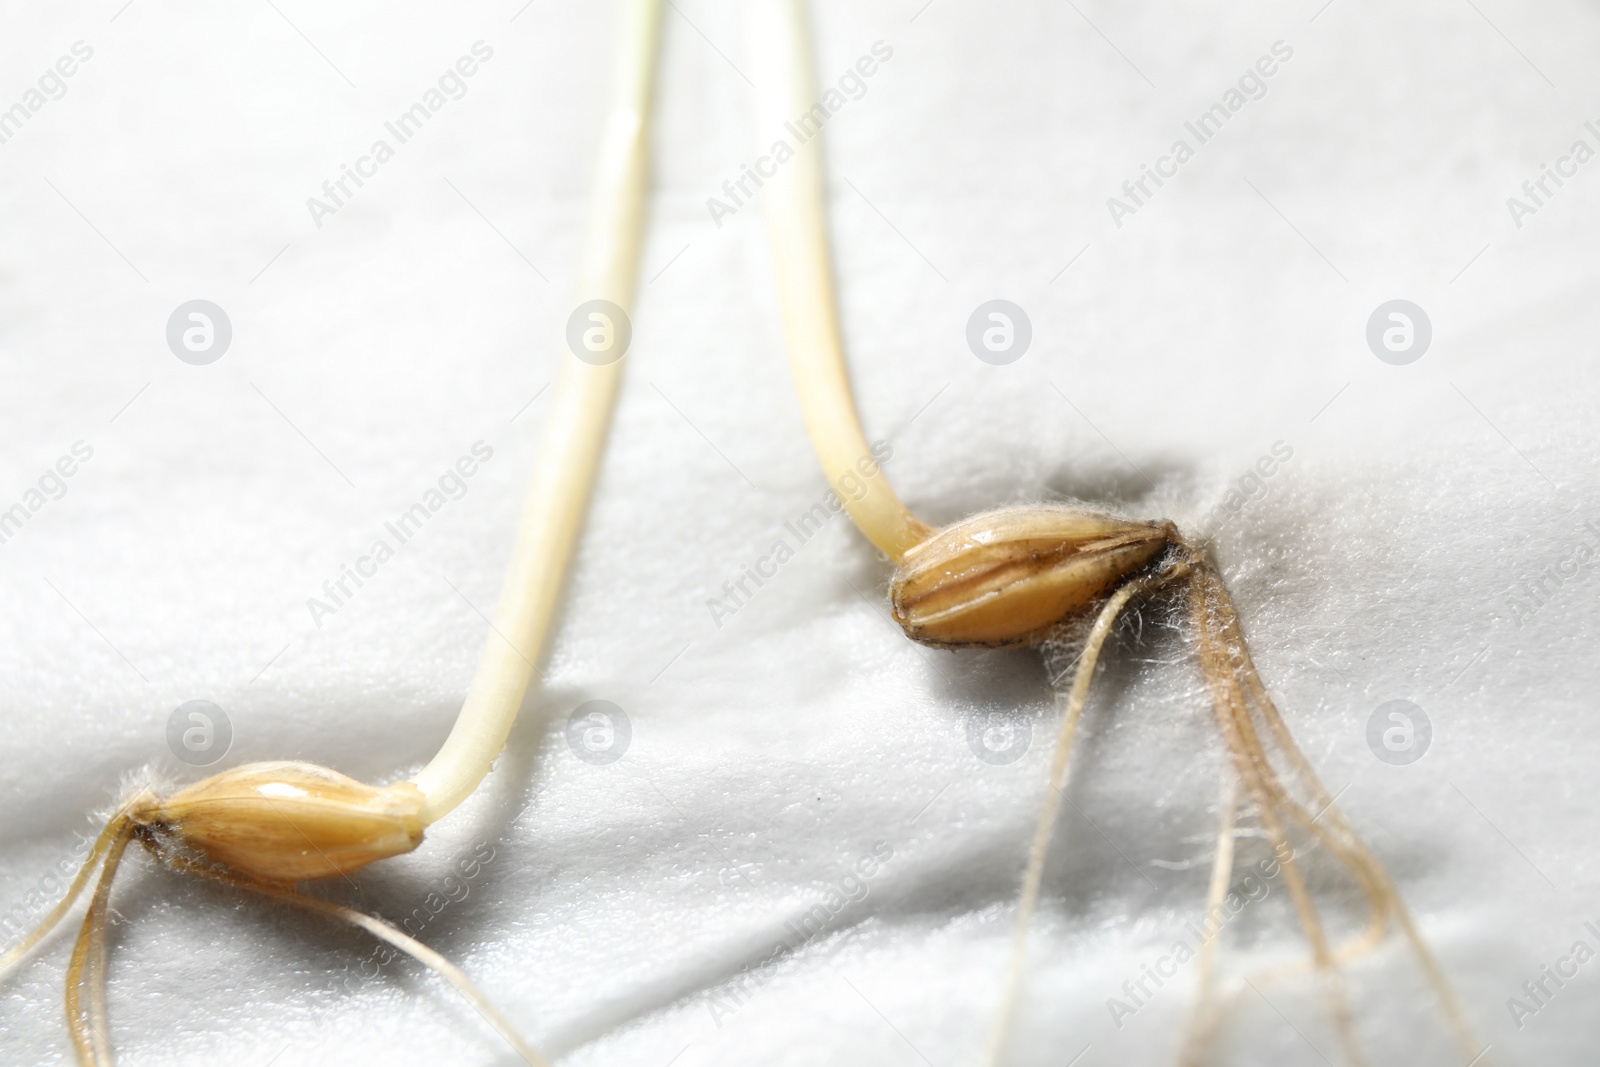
x,y
1429,537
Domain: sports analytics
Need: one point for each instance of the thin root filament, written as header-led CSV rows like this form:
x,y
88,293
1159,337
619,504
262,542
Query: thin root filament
x,y
383,931
86,970
1203,1015
1051,806
1267,794
114,826
1383,897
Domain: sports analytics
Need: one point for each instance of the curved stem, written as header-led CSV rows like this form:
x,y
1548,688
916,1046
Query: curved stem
x,y
794,200
573,441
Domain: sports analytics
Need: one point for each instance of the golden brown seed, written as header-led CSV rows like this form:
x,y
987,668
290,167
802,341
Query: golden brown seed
x,y
1005,578
285,822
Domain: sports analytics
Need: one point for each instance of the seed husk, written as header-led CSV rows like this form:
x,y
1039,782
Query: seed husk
x,y
285,822
1009,577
